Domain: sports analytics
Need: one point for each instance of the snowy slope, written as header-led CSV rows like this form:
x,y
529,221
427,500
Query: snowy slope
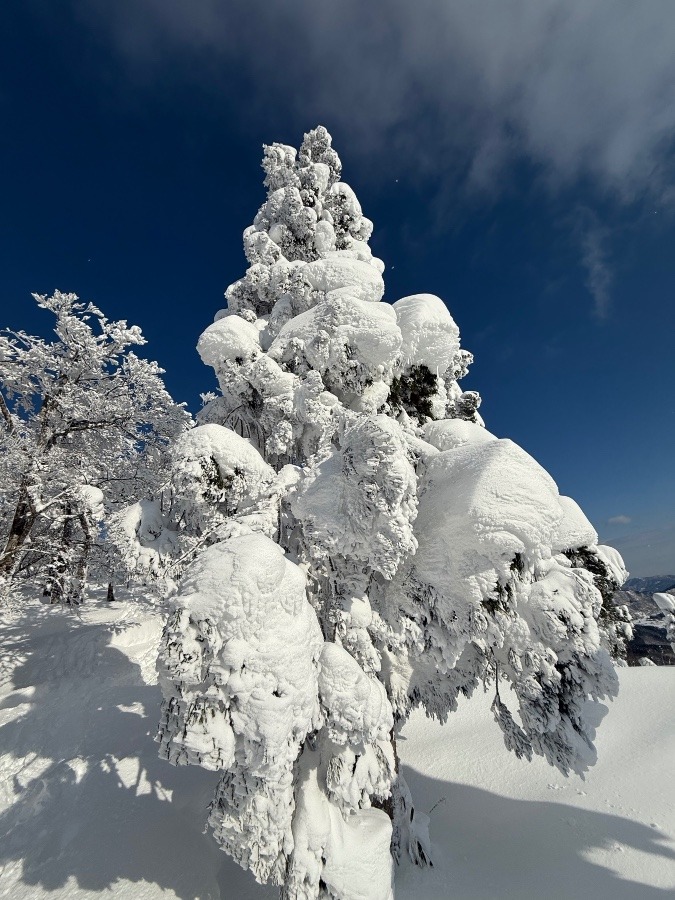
x,y
510,829
87,808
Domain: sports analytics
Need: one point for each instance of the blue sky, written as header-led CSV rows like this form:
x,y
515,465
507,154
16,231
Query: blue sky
x,y
516,158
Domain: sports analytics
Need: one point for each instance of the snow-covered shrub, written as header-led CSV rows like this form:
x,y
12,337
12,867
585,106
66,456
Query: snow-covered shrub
x,y
423,556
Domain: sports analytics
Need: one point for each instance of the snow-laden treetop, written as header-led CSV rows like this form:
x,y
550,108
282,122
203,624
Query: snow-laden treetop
x,y
304,328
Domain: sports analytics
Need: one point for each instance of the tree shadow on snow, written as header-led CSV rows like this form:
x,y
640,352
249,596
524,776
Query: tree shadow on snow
x,y
489,846
94,803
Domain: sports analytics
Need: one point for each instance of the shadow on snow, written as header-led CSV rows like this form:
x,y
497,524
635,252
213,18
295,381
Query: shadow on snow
x,y
94,802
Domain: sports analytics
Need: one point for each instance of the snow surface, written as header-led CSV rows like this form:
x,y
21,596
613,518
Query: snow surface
x,y
332,334
348,277
228,339
88,809
448,434
576,531
483,499
430,336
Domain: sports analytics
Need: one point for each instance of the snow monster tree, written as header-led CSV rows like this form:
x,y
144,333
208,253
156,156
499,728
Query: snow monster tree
x,y
377,550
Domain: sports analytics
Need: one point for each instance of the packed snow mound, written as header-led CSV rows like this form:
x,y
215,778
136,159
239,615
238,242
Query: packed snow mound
x,y
240,586
345,275
430,336
356,707
574,530
358,864
449,434
350,342
481,504
213,464
228,339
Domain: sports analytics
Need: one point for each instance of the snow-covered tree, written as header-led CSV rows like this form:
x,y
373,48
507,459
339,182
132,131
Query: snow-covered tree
x,y
86,425
666,603
389,553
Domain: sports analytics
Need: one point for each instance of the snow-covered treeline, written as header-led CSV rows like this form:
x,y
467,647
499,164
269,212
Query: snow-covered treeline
x,y
85,430
364,546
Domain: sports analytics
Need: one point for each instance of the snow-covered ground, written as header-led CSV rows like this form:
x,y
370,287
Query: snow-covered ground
x,y
87,808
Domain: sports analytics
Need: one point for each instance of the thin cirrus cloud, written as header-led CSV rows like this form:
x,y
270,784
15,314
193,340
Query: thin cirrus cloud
x,y
581,88
461,92
593,238
619,520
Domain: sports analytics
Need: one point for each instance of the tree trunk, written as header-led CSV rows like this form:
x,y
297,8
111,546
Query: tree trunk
x,y
410,828
24,518
58,587
79,587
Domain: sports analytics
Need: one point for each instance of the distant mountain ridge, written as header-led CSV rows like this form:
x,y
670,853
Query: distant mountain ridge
x,y
650,584
649,621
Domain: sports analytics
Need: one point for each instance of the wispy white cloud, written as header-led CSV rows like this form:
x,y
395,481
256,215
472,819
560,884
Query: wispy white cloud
x,y
584,90
619,520
595,258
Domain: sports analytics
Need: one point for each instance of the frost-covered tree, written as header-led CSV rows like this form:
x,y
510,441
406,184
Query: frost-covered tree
x,y
666,603
388,553
86,426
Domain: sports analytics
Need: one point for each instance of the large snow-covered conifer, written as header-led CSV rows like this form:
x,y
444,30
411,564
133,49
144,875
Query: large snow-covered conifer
x,y
375,549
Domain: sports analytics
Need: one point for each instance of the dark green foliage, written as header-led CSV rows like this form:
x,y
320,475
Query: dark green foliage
x,y
585,558
518,564
413,391
502,599
613,621
466,407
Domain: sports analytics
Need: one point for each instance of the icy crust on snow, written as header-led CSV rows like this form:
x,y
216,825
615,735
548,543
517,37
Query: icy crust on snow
x,y
350,342
449,434
238,670
430,336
